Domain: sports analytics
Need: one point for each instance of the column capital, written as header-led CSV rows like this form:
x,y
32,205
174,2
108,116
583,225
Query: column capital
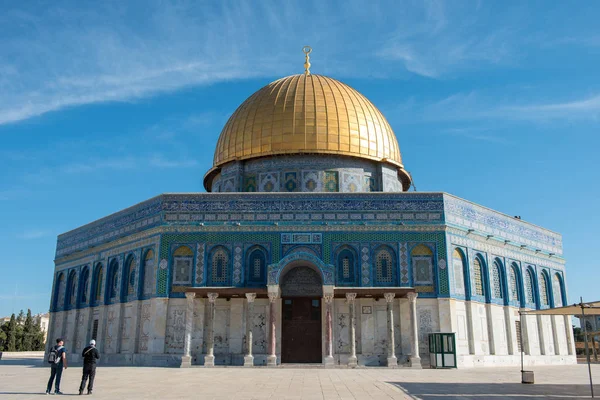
x,y
212,297
190,295
350,297
273,297
412,296
328,298
389,297
251,297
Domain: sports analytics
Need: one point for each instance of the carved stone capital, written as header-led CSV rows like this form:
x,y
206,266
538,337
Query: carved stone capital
x,y
389,297
251,297
412,297
273,297
350,297
328,298
212,297
190,295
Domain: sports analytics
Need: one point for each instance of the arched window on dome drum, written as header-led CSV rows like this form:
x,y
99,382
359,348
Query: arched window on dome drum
x,y
558,290
149,273
98,288
83,285
544,297
59,297
385,270
219,275
422,264
458,267
72,294
497,278
257,265
346,267
515,289
478,288
529,285
183,261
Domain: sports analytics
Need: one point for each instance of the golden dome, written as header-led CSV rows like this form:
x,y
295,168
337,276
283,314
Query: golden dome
x,y
307,114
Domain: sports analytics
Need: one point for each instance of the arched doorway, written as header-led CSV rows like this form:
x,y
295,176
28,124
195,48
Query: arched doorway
x,y
301,293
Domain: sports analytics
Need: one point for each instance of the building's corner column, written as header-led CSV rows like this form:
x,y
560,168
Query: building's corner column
x,y
489,316
525,332
209,359
543,344
249,358
328,360
392,361
555,334
509,326
272,357
186,359
569,333
352,360
415,360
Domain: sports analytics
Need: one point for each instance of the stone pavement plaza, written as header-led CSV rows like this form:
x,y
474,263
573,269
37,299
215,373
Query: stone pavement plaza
x,y
20,381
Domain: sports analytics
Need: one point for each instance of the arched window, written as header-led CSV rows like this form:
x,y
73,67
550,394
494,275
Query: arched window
x,y
346,267
219,266
257,265
497,278
59,299
98,287
149,273
72,294
183,260
478,277
557,287
385,270
83,284
129,276
544,298
529,285
458,266
422,263
113,280
515,290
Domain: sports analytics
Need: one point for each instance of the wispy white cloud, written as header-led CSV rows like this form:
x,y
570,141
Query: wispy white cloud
x,y
33,234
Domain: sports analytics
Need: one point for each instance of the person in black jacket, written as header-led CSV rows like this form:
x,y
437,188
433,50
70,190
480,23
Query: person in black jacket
x,y
90,354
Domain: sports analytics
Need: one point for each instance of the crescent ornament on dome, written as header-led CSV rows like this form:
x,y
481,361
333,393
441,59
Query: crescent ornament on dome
x,y
307,50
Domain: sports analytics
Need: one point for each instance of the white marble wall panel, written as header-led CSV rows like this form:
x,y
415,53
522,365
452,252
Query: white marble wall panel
x,y
237,326
128,328
222,321
498,326
174,340
563,348
113,312
341,341
462,334
198,326
259,326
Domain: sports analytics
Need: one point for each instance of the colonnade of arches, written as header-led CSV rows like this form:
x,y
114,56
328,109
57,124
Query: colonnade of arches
x,y
506,283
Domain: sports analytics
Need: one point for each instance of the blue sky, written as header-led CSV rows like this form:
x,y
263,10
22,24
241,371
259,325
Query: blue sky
x,y
105,104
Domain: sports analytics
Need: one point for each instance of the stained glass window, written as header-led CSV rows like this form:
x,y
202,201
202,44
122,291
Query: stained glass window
x,y
131,276
183,260
514,286
529,288
557,287
257,268
383,266
72,286
543,290
99,276
346,268
84,287
219,266
257,264
458,266
497,276
477,277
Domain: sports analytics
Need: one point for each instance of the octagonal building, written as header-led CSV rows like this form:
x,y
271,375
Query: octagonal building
x,y
308,248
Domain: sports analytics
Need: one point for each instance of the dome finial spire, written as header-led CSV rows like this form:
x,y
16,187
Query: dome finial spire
x,y
307,50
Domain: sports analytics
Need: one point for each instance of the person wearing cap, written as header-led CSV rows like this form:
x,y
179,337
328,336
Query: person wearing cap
x,y
58,360
90,354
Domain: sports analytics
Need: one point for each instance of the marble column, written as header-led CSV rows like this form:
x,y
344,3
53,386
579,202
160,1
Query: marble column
x,y
186,359
209,359
249,358
415,360
272,357
328,360
352,360
392,361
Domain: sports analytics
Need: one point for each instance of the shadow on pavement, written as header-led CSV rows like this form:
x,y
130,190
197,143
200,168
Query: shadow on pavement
x,y
472,391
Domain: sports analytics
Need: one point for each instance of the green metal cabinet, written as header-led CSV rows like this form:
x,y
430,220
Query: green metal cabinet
x,y
442,350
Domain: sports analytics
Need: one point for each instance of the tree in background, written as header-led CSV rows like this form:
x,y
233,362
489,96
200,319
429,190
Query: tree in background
x,y
27,338
11,334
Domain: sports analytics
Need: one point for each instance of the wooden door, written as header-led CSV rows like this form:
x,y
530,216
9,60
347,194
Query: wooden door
x,y
301,331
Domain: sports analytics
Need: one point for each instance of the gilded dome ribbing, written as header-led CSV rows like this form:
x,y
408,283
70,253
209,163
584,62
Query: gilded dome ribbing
x,y
307,114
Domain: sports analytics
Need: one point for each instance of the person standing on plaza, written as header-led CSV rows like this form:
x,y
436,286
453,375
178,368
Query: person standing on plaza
x,y
57,358
90,354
